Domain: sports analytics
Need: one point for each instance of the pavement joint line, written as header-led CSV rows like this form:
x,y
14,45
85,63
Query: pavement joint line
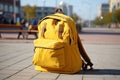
x,y
34,75
10,58
57,76
13,56
82,77
9,52
17,72
15,63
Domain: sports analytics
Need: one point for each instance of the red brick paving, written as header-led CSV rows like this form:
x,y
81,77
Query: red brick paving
x,y
100,38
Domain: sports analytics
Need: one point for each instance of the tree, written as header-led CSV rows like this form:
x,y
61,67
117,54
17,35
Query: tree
x,y
98,21
75,17
107,18
117,15
33,12
30,12
1,11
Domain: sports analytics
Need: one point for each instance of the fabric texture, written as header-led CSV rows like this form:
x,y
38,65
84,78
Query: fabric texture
x,y
56,49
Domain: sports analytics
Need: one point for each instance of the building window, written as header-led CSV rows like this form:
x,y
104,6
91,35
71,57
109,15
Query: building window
x,y
11,8
16,10
1,6
6,7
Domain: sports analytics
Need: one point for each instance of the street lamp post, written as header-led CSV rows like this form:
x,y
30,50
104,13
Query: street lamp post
x,y
89,5
113,14
14,13
43,8
56,3
113,17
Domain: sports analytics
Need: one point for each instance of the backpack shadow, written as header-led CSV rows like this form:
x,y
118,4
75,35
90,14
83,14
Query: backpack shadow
x,y
100,72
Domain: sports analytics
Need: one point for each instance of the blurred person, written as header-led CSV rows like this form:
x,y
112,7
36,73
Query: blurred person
x,y
23,23
34,21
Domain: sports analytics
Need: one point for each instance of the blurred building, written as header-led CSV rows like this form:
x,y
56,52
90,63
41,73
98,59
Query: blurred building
x,y
44,11
41,11
114,4
67,9
104,8
10,9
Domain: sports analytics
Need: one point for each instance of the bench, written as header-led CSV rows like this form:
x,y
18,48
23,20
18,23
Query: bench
x,y
32,29
11,28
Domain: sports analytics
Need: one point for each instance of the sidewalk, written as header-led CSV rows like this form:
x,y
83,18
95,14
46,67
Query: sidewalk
x,y
15,63
16,57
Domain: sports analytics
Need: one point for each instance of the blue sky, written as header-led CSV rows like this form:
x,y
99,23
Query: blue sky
x,y
86,9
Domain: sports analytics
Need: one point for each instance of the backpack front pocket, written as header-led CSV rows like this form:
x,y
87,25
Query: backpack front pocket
x,y
50,55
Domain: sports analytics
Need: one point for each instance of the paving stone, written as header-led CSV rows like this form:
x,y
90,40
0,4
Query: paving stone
x,y
104,56
46,76
42,79
69,77
18,78
3,76
93,79
7,71
112,78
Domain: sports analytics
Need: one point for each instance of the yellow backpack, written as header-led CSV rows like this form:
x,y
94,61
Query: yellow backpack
x,y
56,49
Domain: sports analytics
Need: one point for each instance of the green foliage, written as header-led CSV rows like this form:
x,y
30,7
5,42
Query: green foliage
x,y
30,12
117,15
98,21
108,18
0,9
75,17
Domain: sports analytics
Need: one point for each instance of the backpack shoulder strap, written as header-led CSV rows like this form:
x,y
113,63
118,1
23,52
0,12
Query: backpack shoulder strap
x,y
60,30
61,25
43,30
